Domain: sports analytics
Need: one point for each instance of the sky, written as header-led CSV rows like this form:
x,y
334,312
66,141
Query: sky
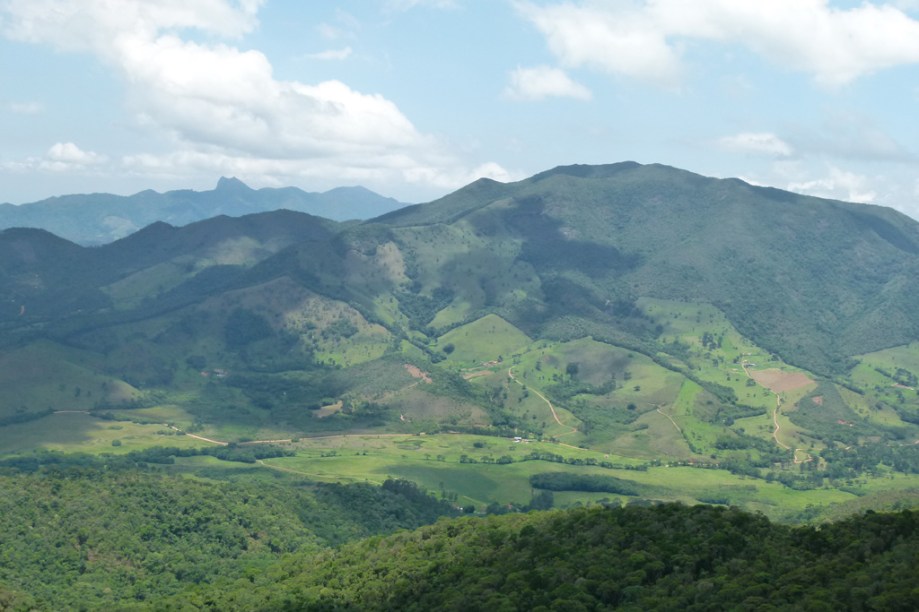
x,y
416,98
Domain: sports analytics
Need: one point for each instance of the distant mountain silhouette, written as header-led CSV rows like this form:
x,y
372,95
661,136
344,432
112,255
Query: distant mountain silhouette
x,y
100,218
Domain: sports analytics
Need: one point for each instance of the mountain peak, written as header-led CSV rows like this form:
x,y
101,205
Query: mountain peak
x,y
231,184
588,171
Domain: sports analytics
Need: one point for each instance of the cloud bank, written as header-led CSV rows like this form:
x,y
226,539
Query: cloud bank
x,y
221,106
647,39
757,143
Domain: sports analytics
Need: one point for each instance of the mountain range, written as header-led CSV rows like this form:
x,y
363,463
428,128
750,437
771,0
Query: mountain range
x,y
99,218
813,280
642,313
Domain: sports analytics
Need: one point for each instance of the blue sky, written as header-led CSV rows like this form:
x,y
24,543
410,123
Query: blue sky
x,y
415,98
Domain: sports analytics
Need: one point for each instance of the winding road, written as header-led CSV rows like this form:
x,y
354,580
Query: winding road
x,y
197,437
510,374
669,417
775,421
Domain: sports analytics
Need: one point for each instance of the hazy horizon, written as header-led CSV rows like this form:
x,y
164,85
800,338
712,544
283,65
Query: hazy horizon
x,y
415,98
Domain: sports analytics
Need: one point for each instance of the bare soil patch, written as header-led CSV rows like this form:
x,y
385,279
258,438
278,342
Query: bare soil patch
x,y
415,372
778,381
329,410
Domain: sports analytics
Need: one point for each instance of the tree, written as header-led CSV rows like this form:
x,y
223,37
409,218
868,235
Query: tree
x,y
244,327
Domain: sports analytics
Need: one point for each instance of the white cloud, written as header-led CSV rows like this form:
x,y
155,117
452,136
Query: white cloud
x,y
851,135
97,25
907,5
644,38
69,153
841,136
329,31
60,157
619,38
332,54
839,185
345,26
757,142
25,108
221,106
543,82
182,165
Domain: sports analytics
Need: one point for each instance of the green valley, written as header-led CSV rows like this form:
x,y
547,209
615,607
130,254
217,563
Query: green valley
x,y
619,335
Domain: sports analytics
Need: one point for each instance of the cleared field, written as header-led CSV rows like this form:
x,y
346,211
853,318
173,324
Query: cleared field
x,y
905,356
477,470
47,376
681,399
444,464
779,381
483,340
892,376
166,413
654,437
77,432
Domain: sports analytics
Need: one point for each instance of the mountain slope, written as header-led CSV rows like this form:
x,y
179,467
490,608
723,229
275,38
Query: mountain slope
x,y
564,253
639,314
813,280
46,279
94,219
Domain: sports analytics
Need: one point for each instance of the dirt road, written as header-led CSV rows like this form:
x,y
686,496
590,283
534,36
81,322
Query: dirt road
x,y
197,437
510,374
671,419
775,422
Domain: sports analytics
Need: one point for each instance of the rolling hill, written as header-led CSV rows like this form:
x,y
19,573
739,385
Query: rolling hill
x,y
626,319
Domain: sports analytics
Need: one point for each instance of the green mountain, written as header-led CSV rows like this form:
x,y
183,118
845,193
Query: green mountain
x,y
813,280
627,324
100,218
46,279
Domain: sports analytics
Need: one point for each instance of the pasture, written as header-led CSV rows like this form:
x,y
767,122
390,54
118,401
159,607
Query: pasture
x,y
75,432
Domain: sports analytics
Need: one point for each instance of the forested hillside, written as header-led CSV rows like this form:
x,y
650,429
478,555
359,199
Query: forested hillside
x,y
668,557
78,535
93,538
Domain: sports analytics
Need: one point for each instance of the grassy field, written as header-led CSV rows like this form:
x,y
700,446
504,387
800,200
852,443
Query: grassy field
x,y
890,376
486,339
477,470
77,432
443,465
586,401
47,376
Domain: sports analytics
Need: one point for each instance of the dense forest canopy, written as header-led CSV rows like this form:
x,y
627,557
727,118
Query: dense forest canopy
x,y
668,557
77,536
132,538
